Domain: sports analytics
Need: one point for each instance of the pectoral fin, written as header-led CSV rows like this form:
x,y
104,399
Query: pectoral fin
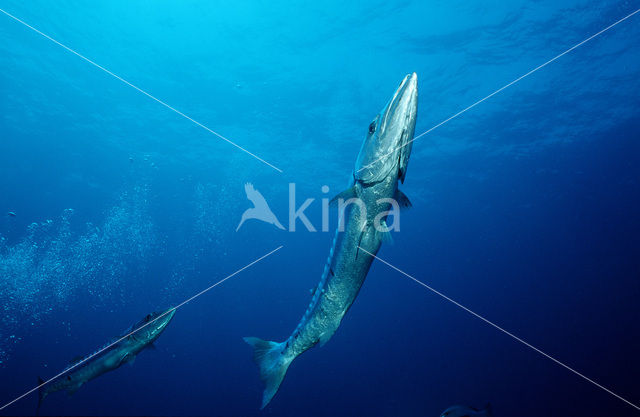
x,y
402,199
127,358
72,389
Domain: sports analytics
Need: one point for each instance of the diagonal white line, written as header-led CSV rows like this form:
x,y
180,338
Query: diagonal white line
x,y
141,90
504,87
501,329
142,327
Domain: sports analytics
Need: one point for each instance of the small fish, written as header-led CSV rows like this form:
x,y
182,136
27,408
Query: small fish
x,y
11,214
464,411
138,337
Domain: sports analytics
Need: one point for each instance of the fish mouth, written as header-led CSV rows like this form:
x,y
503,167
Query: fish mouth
x,y
400,120
404,103
408,87
407,103
165,318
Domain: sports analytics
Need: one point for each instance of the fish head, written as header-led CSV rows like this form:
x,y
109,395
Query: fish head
x,y
154,324
461,411
451,412
387,146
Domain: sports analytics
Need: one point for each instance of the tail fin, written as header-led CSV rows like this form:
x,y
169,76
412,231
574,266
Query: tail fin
x,y
272,363
41,394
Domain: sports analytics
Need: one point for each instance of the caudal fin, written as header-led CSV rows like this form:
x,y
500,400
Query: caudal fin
x,y
272,363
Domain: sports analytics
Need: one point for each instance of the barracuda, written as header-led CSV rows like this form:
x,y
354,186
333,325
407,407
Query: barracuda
x,y
381,163
111,358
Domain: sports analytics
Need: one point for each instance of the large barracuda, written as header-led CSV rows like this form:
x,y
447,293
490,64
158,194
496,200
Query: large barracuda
x,y
125,350
382,162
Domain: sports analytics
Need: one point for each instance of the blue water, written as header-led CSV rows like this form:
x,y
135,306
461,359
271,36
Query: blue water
x,y
525,208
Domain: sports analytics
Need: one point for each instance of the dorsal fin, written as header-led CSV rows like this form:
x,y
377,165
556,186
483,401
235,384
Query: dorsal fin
x,y
320,286
345,195
76,359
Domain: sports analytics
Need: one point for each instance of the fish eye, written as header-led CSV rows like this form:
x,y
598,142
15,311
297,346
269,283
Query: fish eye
x,y
372,127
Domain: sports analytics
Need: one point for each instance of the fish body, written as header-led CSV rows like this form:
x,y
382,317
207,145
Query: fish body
x,y
381,163
111,358
464,411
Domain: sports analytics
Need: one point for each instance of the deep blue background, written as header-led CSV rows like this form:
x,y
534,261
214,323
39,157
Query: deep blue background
x,y
525,207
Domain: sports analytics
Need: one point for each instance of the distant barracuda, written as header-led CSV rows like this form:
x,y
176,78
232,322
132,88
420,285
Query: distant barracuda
x,y
112,358
382,161
464,411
